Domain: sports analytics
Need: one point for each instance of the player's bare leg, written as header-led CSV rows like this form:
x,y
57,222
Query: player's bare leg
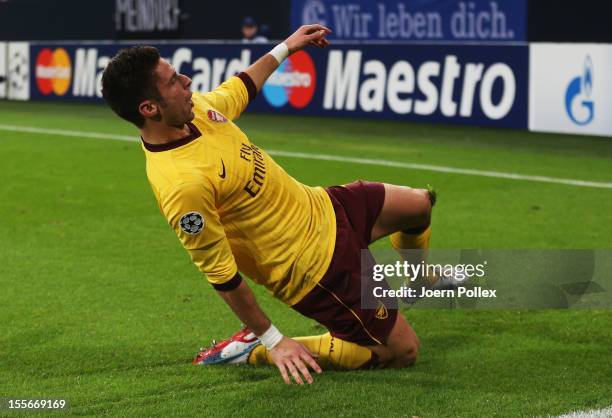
x,y
401,348
404,209
406,218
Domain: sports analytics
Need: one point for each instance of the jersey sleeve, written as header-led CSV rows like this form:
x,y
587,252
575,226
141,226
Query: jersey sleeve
x,y
233,96
191,211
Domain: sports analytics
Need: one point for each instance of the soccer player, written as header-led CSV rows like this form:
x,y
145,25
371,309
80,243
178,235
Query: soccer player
x,y
236,210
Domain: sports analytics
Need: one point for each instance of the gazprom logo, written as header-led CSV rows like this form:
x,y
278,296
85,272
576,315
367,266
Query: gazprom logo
x,y
313,12
578,102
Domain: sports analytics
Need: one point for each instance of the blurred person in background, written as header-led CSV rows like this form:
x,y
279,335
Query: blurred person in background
x,y
251,32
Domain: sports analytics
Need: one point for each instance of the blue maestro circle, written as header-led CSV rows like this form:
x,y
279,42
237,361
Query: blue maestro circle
x,y
275,93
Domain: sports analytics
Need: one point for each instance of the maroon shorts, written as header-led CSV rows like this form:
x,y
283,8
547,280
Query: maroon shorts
x,y
336,302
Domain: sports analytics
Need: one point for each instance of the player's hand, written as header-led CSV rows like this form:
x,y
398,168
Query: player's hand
x,y
308,35
292,358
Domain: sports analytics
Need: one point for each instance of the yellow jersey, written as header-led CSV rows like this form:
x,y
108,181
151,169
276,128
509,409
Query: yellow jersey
x,y
234,208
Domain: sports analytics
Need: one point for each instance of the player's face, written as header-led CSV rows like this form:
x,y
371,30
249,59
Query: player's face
x,y
176,108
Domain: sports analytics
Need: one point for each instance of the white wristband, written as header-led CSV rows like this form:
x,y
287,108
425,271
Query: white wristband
x,y
280,52
271,337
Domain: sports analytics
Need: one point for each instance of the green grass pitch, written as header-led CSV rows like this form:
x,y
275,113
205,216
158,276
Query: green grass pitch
x,y
99,303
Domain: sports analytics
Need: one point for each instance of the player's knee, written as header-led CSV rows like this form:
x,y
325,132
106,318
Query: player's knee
x,y
411,353
407,354
421,205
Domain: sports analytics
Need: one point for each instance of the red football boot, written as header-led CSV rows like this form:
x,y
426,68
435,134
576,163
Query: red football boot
x,y
234,350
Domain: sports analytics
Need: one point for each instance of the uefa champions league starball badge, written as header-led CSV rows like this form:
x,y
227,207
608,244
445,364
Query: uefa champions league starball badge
x,y
192,223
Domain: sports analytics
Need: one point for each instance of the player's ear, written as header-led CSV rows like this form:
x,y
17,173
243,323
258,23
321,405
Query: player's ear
x,y
148,109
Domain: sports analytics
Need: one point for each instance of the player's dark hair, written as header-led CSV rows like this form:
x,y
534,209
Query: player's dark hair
x,y
129,79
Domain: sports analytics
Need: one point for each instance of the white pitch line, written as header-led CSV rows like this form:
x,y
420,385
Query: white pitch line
x,y
326,157
443,169
593,413
80,134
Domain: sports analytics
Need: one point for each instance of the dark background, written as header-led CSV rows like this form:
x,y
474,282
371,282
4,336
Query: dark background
x,y
548,20
569,21
95,19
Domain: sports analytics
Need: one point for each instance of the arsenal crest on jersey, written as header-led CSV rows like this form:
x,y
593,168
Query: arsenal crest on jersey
x,y
216,116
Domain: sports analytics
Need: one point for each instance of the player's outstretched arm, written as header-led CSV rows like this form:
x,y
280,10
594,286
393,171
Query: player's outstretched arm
x,y
289,356
261,69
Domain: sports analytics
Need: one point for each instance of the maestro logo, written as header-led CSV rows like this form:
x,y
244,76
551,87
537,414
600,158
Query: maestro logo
x,y
578,102
53,71
293,82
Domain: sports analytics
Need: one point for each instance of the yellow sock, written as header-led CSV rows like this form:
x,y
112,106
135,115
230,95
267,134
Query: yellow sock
x,y
420,241
404,241
330,353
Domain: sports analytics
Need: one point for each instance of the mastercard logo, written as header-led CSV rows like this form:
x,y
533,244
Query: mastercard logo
x,y
53,71
293,82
